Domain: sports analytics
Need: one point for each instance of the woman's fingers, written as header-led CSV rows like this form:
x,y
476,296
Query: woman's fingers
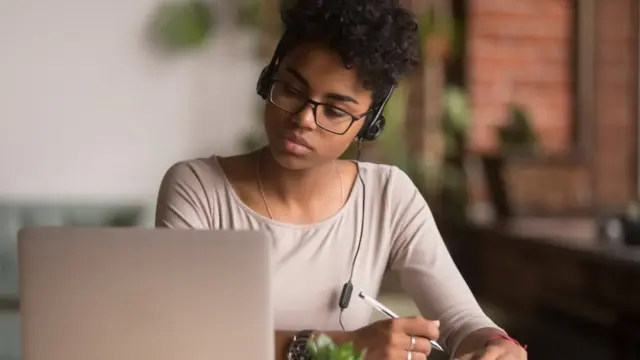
x,y
398,339
421,327
404,355
420,345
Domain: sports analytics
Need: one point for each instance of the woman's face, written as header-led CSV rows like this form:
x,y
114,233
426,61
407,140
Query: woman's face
x,y
312,73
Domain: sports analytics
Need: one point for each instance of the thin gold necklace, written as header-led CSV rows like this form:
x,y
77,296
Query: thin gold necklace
x,y
264,196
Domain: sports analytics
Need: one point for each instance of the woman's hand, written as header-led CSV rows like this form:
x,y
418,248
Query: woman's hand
x,y
391,339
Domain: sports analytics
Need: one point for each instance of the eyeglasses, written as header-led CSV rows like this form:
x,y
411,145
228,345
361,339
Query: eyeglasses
x,y
327,117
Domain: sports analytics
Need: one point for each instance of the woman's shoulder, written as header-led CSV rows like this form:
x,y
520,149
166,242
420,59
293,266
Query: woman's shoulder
x,y
204,175
391,186
385,177
187,191
195,172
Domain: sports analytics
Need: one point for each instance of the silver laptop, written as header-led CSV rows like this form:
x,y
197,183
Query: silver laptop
x,y
144,294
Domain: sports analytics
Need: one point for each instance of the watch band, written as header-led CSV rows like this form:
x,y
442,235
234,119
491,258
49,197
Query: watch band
x,y
298,348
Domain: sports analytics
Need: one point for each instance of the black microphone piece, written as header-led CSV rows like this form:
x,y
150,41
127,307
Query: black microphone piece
x,y
345,295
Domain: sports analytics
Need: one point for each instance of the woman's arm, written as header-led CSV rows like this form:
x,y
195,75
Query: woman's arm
x,y
476,340
426,270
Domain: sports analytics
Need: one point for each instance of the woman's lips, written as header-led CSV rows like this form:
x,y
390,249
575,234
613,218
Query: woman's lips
x,y
296,147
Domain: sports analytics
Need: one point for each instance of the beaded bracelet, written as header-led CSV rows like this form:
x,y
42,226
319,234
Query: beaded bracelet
x,y
505,337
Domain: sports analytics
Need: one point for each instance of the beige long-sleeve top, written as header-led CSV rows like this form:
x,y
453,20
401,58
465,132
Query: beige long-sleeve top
x,y
312,262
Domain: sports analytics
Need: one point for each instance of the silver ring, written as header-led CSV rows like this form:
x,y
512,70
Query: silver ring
x,y
413,343
409,355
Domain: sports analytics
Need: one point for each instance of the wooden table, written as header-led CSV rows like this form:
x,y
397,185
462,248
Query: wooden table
x,y
526,265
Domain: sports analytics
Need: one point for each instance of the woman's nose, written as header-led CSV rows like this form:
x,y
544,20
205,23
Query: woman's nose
x,y
306,117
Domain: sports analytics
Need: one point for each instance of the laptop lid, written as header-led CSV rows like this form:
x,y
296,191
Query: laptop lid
x,y
144,294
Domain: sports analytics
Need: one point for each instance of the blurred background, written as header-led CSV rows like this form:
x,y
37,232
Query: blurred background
x,y
520,127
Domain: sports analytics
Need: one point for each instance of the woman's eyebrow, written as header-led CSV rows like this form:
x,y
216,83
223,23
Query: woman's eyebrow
x,y
334,96
340,97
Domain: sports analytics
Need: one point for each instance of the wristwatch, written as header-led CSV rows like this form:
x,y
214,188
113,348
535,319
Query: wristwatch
x,y
298,348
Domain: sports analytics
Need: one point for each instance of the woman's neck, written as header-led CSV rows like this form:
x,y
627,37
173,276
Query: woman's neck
x,y
292,186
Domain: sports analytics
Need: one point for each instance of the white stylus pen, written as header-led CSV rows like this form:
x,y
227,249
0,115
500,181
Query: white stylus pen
x,y
383,309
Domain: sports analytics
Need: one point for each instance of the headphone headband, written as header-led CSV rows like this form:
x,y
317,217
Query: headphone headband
x,y
269,71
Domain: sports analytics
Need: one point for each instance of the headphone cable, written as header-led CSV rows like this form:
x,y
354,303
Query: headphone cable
x,y
347,288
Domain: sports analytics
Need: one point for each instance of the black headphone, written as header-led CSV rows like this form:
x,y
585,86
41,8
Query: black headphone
x,y
373,125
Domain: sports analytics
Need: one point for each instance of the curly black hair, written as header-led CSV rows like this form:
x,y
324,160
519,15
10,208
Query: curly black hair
x,y
377,38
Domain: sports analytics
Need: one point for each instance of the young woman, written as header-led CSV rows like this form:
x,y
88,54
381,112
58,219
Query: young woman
x,y
335,221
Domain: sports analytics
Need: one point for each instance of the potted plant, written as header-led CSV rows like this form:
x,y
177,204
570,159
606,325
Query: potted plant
x,y
178,26
325,349
516,138
455,127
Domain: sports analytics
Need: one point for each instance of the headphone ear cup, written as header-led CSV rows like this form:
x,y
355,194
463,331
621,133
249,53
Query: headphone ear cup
x,y
373,129
262,88
376,128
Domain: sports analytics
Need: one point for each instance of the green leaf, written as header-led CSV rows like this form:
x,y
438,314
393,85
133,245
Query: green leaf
x,y
518,134
456,109
313,348
325,349
324,341
180,25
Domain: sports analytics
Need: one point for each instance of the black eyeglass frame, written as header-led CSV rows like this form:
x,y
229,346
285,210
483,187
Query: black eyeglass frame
x,y
314,106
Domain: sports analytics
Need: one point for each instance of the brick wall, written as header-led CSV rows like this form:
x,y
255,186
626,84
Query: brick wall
x,y
520,51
